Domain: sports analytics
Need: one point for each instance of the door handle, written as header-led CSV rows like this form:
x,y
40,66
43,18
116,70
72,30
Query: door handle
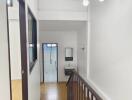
x,y
22,72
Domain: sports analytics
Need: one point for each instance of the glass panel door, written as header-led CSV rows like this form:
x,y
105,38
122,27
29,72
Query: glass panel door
x,y
50,62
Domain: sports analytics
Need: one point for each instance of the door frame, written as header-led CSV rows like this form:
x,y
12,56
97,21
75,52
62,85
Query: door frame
x,y
43,59
24,64
23,43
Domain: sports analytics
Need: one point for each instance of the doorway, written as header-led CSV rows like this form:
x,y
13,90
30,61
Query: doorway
x,y
18,50
15,54
50,62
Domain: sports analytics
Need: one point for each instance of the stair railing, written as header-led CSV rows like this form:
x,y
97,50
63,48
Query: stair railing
x,y
79,89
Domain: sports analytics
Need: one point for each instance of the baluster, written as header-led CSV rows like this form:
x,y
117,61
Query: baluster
x,y
77,88
70,90
88,94
91,96
82,91
73,87
85,92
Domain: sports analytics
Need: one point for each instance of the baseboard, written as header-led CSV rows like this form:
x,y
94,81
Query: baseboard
x,y
62,82
98,90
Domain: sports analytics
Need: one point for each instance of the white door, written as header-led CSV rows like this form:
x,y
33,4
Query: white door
x,y
4,55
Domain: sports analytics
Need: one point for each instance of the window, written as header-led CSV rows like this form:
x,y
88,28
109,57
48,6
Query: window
x,y
32,39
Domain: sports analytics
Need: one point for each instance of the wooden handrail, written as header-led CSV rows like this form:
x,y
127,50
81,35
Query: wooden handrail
x,y
79,89
69,79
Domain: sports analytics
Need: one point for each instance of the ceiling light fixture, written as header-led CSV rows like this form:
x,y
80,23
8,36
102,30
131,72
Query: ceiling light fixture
x,y
9,3
86,3
101,0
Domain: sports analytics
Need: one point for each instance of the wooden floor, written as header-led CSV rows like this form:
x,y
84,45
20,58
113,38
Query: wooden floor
x,y
49,91
16,89
53,91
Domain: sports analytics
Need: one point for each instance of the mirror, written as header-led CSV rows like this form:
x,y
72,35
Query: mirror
x,y
68,54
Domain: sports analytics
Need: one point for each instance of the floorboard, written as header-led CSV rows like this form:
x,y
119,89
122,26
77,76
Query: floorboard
x,y
49,91
53,91
16,89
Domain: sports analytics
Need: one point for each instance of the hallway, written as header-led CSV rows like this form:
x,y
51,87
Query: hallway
x,y
54,91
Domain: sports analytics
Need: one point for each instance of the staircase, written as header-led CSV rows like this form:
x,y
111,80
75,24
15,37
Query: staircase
x,y
79,89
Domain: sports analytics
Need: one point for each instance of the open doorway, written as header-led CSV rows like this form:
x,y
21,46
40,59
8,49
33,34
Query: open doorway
x,y
17,49
15,52
50,62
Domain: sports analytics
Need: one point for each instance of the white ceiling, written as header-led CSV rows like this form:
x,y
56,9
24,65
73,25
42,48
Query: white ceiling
x,y
61,25
61,5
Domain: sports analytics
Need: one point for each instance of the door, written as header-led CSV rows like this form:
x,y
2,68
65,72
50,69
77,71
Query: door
x,y
4,54
50,55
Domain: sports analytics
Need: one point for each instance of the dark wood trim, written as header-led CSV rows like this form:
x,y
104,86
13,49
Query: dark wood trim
x,y
57,62
23,42
43,59
34,39
9,52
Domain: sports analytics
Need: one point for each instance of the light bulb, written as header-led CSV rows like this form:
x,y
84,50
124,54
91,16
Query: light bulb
x,y
86,2
101,0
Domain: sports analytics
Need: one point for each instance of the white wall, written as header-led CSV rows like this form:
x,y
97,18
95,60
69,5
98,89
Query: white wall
x,y
14,37
111,48
64,39
4,56
13,11
62,10
15,55
33,5
34,76
82,50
